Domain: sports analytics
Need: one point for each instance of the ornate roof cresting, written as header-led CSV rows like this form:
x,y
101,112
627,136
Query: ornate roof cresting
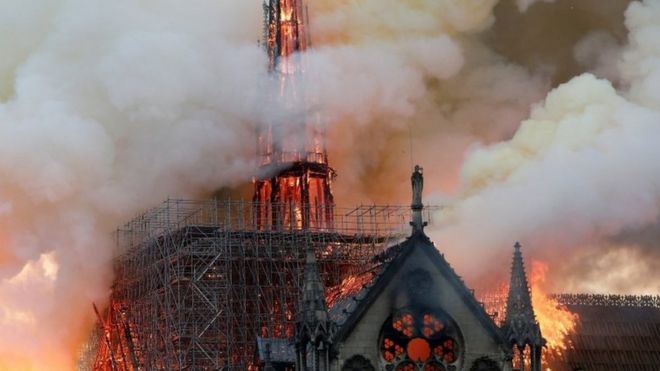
x,y
605,300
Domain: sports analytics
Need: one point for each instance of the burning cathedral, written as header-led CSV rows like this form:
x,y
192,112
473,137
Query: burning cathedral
x,y
289,281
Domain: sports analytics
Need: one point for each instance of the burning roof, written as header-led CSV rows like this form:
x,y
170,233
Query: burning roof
x,y
615,332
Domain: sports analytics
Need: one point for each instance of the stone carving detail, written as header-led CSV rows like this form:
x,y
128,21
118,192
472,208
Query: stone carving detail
x,y
417,180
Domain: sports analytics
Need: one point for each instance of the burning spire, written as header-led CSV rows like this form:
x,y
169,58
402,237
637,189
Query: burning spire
x,y
520,326
293,187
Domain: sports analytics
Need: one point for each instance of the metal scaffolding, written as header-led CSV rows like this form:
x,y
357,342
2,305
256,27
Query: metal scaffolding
x,y
198,281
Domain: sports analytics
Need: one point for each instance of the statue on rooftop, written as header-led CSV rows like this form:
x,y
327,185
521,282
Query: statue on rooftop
x,y
417,180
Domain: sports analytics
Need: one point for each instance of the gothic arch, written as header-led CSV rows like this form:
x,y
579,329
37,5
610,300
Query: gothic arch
x,y
357,363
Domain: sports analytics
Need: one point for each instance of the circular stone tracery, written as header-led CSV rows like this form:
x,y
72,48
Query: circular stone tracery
x,y
422,340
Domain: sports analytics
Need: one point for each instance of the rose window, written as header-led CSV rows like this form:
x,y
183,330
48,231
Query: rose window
x,y
421,341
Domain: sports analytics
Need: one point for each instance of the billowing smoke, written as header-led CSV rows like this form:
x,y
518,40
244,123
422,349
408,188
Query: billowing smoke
x,y
391,73
568,182
107,108
579,180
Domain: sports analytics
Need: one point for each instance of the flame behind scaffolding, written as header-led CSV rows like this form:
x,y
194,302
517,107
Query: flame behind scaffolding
x,y
198,281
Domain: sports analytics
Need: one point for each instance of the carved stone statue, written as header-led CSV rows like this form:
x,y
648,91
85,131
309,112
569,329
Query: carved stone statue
x,y
417,180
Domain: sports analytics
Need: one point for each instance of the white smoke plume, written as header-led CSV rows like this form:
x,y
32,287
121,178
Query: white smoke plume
x,y
391,72
107,108
578,173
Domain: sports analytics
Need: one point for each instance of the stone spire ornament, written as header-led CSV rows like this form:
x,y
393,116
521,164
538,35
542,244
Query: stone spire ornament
x,y
314,328
521,329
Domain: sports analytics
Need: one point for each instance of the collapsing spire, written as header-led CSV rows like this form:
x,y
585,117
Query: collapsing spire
x,y
285,29
293,185
520,326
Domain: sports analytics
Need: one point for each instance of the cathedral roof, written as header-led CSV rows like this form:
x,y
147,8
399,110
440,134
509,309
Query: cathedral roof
x,y
347,311
614,332
345,304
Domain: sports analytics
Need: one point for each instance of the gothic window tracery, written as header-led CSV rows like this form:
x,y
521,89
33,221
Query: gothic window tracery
x,y
420,340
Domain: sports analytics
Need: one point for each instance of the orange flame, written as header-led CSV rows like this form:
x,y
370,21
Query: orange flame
x,y
350,285
494,302
556,321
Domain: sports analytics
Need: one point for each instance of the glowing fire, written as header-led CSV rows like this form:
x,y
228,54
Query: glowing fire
x,y
350,285
495,302
556,321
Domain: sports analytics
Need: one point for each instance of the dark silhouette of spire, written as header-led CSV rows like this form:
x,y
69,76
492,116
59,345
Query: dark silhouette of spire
x,y
314,328
520,327
314,307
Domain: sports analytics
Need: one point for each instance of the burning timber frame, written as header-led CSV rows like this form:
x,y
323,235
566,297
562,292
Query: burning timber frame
x,y
198,281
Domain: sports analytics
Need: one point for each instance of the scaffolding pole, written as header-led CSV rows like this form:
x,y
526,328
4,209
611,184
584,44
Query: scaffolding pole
x,y
198,281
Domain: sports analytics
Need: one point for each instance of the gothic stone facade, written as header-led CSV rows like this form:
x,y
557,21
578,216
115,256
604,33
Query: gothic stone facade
x,y
417,315
414,314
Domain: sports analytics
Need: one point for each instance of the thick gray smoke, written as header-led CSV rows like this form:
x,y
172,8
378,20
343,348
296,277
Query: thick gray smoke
x,y
107,108
580,176
391,72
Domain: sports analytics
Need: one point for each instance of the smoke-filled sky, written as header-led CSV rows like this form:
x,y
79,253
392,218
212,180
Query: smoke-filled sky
x,y
534,120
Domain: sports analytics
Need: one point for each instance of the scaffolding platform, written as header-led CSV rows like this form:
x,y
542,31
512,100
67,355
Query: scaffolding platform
x,y
196,282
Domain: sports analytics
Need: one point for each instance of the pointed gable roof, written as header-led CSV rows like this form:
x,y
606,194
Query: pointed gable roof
x,y
520,325
348,311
